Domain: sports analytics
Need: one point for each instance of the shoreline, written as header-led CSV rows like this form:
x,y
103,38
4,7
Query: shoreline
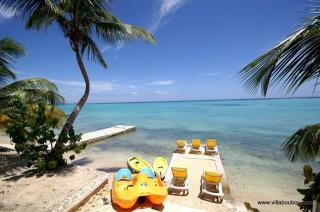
x,y
113,164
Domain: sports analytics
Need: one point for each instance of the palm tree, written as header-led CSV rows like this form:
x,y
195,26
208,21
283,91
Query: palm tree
x,y
291,63
28,90
79,21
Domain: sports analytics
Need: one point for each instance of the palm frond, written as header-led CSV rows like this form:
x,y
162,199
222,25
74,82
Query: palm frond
x,y
32,95
25,8
42,16
32,89
80,21
10,51
113,31
292,62
304,144
30,83
89,47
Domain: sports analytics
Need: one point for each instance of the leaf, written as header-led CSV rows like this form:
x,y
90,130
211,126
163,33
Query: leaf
x,y
10,51
80,22
303,145
72,157
304,191
307,171
52,164
291,63
29,91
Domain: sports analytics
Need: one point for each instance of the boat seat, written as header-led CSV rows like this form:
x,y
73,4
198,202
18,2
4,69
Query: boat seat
x,y
148,172
123,174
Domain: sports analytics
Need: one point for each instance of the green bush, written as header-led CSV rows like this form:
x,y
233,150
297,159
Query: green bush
x,y
312,192
32,130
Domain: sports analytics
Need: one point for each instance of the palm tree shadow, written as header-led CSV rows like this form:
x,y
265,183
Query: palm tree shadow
x,y
24,174
110,169
31,172
11,163
82,161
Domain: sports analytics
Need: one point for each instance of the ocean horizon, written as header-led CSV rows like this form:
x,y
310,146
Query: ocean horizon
x,y
193,100
249,135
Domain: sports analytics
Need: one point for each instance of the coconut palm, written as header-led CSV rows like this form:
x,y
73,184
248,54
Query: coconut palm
x,y
289,65
80,22
27,90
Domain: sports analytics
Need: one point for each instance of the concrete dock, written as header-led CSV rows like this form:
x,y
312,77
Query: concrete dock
x,y
99,135
196,163
94,136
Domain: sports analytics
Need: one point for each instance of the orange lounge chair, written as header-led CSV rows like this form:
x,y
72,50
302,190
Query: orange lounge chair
x,y
211,147
211,184
180,180
181,146
195,145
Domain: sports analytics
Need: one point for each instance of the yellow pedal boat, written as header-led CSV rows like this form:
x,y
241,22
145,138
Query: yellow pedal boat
x,y
137,163
127,188
160,167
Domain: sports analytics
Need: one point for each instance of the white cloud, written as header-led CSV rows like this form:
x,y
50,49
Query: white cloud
x,y
160,82
132,86
96,86
167,7
212,74
102,86
159,93
134,93
69,83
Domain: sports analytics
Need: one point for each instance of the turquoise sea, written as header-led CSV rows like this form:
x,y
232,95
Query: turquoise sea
x,y
249,134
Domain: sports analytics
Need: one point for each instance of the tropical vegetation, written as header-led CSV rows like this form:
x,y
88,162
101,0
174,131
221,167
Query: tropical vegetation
x,y
292,63
27,90
33,133
80,22
289,65
312,192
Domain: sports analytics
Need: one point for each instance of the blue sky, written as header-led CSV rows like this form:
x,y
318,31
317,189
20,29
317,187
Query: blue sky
x,y
201,45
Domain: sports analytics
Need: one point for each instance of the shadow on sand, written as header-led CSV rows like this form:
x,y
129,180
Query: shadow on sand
x,y
13,168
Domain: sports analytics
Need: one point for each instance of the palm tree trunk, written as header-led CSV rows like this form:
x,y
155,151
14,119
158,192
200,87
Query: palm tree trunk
x,y
72,117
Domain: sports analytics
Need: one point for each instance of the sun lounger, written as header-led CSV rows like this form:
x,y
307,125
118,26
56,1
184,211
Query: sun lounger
x,y
211,184
181,146
211,147
195,146
180,180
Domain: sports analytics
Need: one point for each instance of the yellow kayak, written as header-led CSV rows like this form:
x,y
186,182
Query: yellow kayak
x,y
160,166
137,163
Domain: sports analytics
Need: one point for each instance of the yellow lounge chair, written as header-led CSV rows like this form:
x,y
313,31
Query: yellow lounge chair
x,y
181,146
211,147
180,180
211,184
195,145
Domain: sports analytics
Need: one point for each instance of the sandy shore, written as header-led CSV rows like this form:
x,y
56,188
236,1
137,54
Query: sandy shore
x,y
21,189
26,191
101,201
74,181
